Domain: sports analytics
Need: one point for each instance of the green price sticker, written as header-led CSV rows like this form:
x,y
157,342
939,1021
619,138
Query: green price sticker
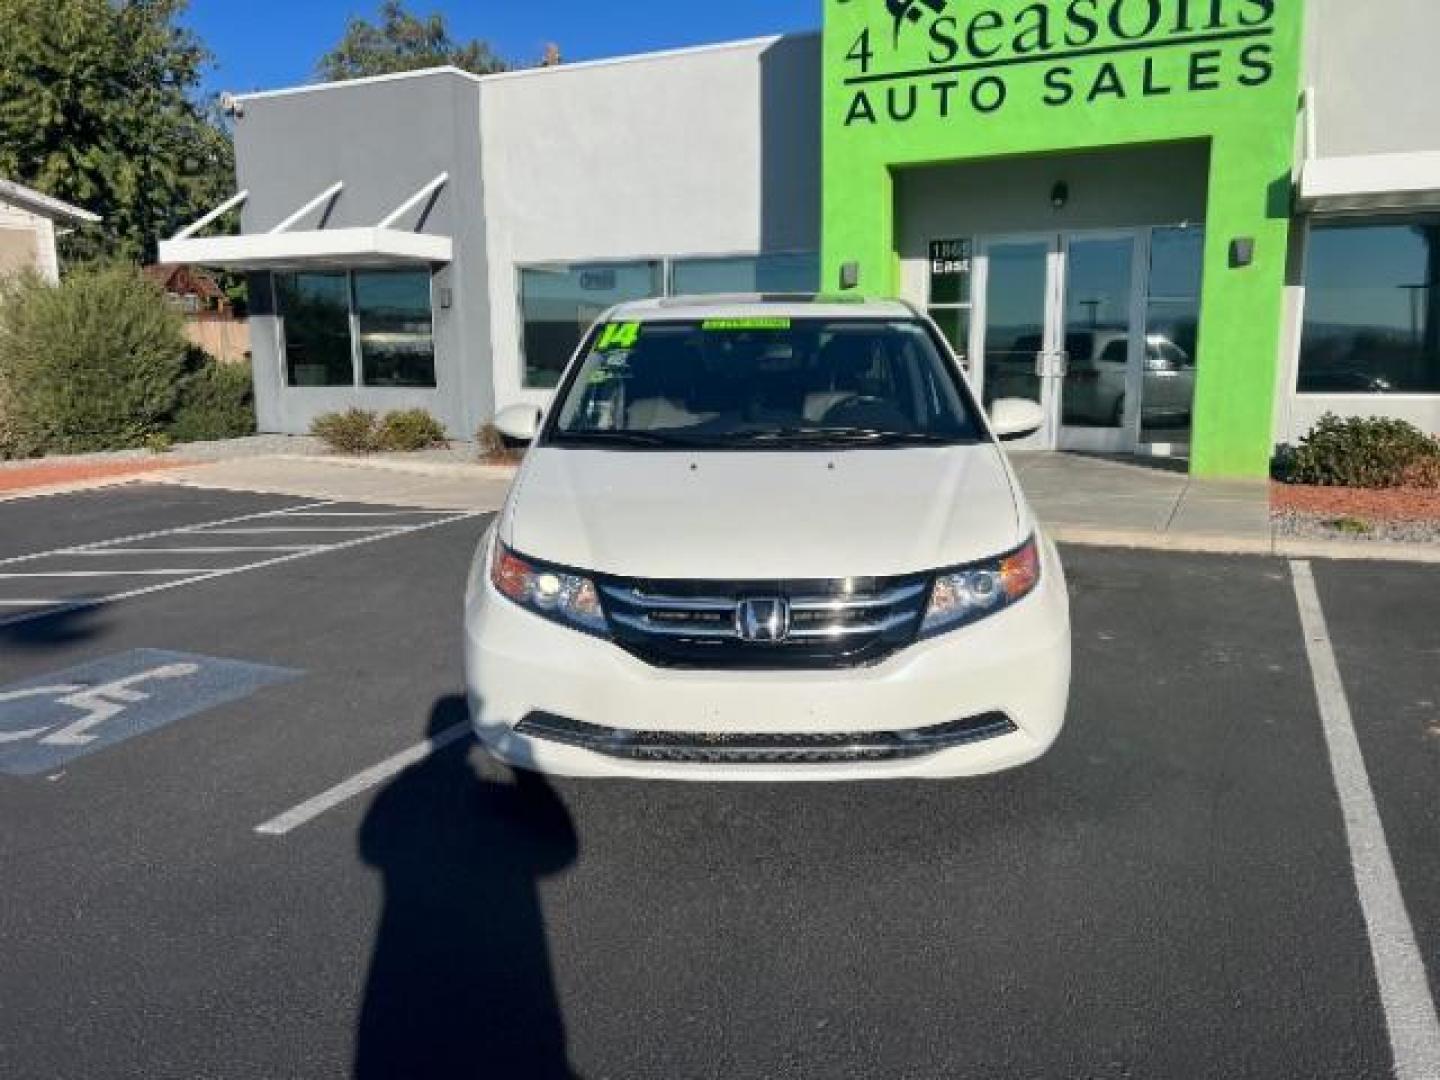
x,y
618,336
757,323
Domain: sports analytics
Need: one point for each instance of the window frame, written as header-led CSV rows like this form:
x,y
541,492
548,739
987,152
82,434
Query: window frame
x,y
968,307
1380,218
667,289
357,369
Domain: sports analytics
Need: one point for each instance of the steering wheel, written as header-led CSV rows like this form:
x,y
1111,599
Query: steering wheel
x,y
867,411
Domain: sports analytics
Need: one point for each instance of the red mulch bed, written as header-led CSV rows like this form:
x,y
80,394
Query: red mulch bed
x,y
1394,504
46,475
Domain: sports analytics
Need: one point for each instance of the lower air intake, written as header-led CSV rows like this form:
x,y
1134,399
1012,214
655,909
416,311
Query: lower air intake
x,y
764,748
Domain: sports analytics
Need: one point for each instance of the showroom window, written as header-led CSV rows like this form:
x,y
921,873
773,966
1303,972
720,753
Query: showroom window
x,y
374,325
316,314
1172,333
1372,308
392,315
559,302
792,272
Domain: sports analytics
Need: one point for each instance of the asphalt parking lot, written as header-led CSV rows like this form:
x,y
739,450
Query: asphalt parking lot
x,y
1187,886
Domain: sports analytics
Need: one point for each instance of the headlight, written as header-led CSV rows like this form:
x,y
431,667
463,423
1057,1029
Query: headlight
x,y
550,593
962,596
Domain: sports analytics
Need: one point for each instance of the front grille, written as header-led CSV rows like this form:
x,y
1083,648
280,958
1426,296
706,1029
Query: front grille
x,y
769,748
832,623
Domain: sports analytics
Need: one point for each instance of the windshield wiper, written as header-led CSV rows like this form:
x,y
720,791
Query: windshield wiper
x,y
841,435
620,438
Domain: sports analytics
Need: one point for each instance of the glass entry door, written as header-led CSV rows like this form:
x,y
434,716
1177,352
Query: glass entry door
x,y
1103,340
1063,325
1018,329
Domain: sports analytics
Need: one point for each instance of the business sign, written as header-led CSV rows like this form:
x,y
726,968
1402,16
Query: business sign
x,y
913,59
49,721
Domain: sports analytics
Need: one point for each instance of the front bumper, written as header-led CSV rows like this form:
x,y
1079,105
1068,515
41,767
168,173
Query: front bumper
x,y
1013,667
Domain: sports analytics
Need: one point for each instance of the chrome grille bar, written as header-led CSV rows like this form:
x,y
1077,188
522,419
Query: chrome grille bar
x,y
832,622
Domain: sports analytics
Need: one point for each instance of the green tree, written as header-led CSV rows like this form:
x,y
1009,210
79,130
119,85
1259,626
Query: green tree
x,y
403,41
99,106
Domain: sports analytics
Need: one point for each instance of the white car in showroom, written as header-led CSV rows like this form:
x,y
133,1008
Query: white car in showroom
x,y
766,538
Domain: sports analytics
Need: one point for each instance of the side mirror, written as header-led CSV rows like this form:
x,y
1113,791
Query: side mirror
x,y
1015,418
520,423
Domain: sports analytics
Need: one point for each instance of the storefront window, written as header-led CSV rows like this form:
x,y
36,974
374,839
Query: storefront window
x,y
949,271
558,304
316,313
786,273
392,310
1172,332
1372,308
392,318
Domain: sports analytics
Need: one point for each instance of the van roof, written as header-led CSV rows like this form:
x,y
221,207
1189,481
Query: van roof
x,y
762,305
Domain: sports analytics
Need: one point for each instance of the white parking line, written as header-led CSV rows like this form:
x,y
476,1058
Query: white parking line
x,y
28,603
265,530
102,573
310,809
211,575
181,530
241,549
1399,968
368,513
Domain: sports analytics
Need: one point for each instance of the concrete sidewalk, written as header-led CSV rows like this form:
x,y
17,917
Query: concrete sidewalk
x,y
1149,503
1156,504
428,484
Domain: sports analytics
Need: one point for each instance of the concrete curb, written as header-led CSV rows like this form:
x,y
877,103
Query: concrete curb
x,y
1224,544
1203,543
157,476
416,468
1357,550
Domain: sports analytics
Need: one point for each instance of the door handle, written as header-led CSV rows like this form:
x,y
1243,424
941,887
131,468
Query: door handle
x,y
1052,364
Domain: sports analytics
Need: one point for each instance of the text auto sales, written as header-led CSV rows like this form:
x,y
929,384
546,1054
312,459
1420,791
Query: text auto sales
x,y
973,57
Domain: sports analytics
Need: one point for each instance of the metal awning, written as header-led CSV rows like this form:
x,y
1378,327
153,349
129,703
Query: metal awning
x,y
1370,182
285,247
318,247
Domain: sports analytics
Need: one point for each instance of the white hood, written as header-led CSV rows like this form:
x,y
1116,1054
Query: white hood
x,y
862,513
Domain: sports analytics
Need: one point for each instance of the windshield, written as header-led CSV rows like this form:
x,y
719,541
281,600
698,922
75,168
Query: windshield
x,y
763,383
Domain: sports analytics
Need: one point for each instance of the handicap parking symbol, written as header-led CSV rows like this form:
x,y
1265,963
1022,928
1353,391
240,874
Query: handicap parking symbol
x,y
50,721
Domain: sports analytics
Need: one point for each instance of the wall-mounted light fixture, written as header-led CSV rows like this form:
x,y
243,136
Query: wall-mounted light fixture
x,y
1060,195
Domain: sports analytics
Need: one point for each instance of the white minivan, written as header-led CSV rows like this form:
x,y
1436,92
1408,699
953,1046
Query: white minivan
x,y
766,538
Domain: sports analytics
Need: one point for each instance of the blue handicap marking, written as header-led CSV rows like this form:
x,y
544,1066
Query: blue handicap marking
x,y
50,721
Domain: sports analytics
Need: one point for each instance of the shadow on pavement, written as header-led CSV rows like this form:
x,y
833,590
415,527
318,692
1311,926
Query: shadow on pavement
x,y
53,630
460,982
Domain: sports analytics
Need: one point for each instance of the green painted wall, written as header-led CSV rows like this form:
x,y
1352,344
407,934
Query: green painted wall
x,y
914,82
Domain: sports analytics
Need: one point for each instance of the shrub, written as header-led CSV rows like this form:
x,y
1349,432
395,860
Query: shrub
x,y
350,432
159,443
1364,452
409,429
493,448
1424,473
93,363
217,401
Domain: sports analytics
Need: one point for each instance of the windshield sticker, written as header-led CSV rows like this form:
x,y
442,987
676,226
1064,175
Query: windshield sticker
x,y
745,324
618,336
609,370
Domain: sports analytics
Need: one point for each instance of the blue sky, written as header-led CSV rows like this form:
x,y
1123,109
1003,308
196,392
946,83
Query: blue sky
x,y
264,44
